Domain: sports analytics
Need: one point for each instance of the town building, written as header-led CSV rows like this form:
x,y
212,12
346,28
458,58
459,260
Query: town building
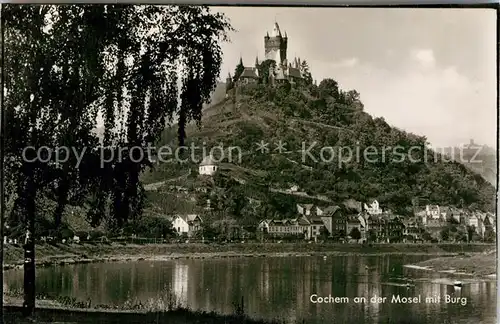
x,y
334,220
299,227
316,227
354,223
433,211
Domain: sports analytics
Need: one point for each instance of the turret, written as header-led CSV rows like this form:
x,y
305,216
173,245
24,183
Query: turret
x,y
256,61
276,30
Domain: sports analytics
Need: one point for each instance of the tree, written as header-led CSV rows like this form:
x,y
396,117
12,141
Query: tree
x,y
328,88
66,65
308,80
471,231
490,236
355,234
445,234
372,235
323,233
265,69
239,70
426,236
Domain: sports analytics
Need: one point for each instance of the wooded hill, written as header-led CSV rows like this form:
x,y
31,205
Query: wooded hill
x,y
329,117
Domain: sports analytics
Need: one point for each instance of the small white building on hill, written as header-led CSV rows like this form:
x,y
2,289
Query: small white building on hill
x,y
208,166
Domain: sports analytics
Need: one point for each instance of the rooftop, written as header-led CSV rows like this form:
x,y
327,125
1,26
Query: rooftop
x,y
249,72
208,160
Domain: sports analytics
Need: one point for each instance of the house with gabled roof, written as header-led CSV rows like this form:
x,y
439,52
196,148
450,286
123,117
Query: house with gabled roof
x,y
305,209
187,224
250,75
334,220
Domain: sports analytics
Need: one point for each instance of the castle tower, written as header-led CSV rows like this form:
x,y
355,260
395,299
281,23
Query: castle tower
x,y
276,45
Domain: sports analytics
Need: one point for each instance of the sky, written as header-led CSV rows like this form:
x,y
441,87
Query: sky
x,y
428,71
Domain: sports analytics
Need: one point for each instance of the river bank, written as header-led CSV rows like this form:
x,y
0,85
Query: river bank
x,y
57,314
61,309
476,265
48,254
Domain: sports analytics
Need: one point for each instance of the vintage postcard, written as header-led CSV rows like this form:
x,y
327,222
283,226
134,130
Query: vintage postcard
x,y
194,164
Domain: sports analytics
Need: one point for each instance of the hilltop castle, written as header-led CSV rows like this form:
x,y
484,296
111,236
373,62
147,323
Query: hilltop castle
x,y
275,46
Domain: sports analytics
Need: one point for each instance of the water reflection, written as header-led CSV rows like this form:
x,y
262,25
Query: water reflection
x,y
180,280
276,288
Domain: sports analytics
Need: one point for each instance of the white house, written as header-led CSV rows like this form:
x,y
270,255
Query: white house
x,y
373,208
433,211
208,166
305,209
473,221
264,225
187,224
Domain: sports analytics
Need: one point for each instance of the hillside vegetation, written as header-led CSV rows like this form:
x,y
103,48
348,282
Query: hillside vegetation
x,y
316,119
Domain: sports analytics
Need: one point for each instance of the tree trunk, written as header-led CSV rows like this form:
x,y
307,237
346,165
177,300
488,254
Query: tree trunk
x,y
62,199
29,248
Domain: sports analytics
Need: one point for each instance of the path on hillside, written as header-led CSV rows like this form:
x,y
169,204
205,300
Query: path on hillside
x,y
320,124
155,185
299,194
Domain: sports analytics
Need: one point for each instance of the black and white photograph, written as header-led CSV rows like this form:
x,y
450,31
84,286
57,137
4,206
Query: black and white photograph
x,y
248,164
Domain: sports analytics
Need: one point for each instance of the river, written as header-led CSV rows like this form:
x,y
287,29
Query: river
x,y
279,288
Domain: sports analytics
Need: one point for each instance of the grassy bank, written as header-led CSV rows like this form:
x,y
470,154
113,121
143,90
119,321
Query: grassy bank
x,y
164,309
79,253
181,316
479,265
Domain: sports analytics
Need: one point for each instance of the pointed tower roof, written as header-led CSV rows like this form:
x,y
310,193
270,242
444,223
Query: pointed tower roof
x,y
241,60
286,36
256,60
276,30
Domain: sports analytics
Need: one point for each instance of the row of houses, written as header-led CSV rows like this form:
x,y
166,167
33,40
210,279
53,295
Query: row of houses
x,y
372,222
368,219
